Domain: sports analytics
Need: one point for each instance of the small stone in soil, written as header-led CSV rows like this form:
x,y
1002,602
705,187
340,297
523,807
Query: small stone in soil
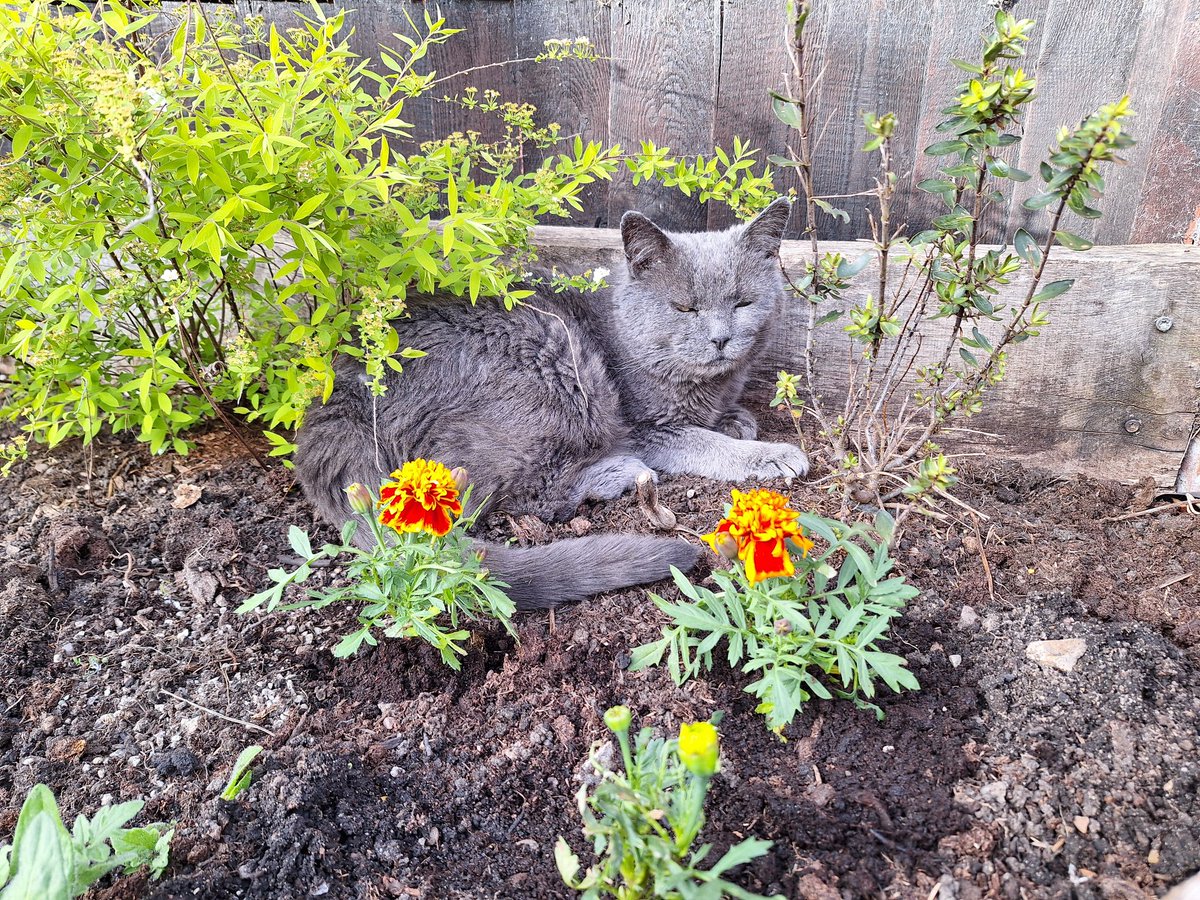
x,y
1061,655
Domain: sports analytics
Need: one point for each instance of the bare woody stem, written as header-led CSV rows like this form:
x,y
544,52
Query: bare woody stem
x,y
797,84
1014,327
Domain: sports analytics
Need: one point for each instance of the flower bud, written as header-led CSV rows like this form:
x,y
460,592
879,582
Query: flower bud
x,y
783,626
618,719
361,500
699,748
724,544
460,478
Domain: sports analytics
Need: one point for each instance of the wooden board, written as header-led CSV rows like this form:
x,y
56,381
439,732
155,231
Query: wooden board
x,y
573,93
664,73
1103,391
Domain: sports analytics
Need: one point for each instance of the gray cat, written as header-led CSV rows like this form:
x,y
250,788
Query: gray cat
x,y
571,397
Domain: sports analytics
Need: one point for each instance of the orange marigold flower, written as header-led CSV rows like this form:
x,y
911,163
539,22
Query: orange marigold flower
x,y
760,522
422,496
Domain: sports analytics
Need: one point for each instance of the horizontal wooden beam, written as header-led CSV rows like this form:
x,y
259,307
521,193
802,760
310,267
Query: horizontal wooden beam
x,y
1111,388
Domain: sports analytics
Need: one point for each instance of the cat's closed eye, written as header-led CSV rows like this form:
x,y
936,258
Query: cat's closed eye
x,y
684,308
742,303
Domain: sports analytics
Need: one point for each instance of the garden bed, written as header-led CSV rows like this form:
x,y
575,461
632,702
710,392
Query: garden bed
x,y
391,775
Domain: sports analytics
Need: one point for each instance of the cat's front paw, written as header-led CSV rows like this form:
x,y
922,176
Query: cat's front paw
x,y
739,423
772,460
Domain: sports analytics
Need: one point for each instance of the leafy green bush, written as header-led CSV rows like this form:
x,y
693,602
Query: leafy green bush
x,y
199,221
790,621
47,862
412,580
643,822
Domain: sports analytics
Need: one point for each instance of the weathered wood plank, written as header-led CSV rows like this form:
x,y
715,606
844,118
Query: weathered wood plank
x,y
958,35
1082,60
663,90
752,63
869,57
1070,398
1169,205
488,37
573,93
1151,88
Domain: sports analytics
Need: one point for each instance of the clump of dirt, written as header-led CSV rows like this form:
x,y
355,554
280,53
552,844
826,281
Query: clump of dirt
x,y
127,674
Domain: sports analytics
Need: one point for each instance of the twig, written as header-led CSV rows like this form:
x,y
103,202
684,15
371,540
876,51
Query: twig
x,y
972,510
1178,578
987,568
1190,503
213,712
151,202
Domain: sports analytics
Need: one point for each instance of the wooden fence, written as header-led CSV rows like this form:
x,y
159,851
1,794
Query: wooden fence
x,y
1109,392
691,74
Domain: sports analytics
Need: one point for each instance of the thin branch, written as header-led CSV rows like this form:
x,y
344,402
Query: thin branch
x,y
213,712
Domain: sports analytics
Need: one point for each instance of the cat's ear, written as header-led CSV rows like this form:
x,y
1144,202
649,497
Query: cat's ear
x,y
645,243
765,231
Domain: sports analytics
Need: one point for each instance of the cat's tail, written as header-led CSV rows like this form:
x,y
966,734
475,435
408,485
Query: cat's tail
x,y
574,569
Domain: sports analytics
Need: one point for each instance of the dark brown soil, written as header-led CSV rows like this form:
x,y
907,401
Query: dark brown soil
x,y
389,775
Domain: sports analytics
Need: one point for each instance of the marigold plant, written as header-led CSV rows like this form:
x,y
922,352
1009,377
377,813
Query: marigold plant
x,y
421,576
805,623
642,822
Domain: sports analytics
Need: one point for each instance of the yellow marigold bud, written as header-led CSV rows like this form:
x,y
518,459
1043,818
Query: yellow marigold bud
x,y
361,500
699,749
460,478
725,545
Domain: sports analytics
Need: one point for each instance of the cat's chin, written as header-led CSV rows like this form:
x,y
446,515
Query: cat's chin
x,y
709,369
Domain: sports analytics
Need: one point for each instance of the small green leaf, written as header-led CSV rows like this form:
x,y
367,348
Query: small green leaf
x,y
848,269
936,186
1027,248
1054,289
239,778
567,861
1040,201
786,111
309,206
1073,241
298,538
945,148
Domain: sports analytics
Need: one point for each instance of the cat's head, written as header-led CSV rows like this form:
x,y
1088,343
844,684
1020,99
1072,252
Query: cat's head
x,y
692,306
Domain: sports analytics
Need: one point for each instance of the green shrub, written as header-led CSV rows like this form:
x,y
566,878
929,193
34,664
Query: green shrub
x,y
199,221
911,375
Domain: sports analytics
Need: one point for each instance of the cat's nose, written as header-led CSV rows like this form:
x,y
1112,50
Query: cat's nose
x,y
719,343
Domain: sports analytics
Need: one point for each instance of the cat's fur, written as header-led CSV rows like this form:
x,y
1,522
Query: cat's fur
x,y
572,397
